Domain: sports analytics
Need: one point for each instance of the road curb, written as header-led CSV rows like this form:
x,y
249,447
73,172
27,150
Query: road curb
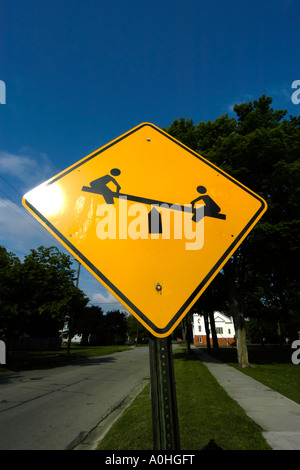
x,y
93,438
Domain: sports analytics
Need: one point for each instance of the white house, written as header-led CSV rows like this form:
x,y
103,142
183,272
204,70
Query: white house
x,y
65,335
224,329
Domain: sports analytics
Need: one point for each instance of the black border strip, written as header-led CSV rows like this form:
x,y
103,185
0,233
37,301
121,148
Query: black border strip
x,y
104,279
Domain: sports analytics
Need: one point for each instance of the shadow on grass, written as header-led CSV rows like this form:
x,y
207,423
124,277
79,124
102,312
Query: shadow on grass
x,y
267,354
183,356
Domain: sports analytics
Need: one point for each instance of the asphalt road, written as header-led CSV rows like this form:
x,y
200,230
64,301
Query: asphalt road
x,y
54,409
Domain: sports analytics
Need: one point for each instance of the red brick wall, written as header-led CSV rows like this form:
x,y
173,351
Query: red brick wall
x,y
221,341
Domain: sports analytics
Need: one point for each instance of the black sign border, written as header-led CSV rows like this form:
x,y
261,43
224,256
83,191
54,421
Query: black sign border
x,y
105,280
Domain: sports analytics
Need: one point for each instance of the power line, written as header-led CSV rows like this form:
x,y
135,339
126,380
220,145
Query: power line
x,y
37,228
17,204
20,215
9,184
106,303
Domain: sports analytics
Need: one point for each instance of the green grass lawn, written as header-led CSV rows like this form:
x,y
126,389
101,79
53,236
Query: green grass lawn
x,y
270,365
205,412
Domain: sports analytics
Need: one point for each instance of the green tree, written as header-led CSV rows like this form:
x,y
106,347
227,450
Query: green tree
x,y
214,298
184,131
135,330
260,148
9,293
75,311
115,327
48,294
91,325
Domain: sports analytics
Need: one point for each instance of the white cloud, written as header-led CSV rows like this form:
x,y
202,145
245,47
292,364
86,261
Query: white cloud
x,y
230,107
106,301
27,169
19,230
242,99
103,298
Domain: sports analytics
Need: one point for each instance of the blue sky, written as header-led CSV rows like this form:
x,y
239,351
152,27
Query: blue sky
x,y
79,73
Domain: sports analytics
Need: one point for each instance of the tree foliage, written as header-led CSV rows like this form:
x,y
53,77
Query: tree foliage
x,y
9,276
38,297
38,294
98,328
261,149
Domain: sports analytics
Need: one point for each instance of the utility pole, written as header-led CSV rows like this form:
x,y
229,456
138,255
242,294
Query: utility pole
x,y
70,320
78,271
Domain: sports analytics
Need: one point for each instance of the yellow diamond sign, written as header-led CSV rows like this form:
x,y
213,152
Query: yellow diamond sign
x,y
151,219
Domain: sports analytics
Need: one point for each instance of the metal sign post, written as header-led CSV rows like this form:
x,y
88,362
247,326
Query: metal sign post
x,y
151,167
163,395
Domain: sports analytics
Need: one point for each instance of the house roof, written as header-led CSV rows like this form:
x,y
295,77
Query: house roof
x,y
220,317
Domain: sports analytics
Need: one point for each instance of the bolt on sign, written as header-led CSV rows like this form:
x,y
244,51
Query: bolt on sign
x,y
151,219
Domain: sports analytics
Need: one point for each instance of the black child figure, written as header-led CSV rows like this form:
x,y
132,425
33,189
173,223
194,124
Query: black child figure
x,y
211,209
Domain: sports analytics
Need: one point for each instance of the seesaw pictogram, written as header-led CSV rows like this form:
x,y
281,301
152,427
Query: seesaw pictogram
x,y
100,186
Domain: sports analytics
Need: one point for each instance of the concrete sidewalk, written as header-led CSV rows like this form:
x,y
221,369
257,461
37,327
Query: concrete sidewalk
x,y
278,416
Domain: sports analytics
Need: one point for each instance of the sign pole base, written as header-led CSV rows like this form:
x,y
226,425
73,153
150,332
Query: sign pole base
x,y
163,395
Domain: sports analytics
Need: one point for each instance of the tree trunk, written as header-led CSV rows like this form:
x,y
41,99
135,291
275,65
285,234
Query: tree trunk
x,y
242,348
69,343
187,332
213,331
70,336
205,314
285,313
237,312
240,333
279,333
